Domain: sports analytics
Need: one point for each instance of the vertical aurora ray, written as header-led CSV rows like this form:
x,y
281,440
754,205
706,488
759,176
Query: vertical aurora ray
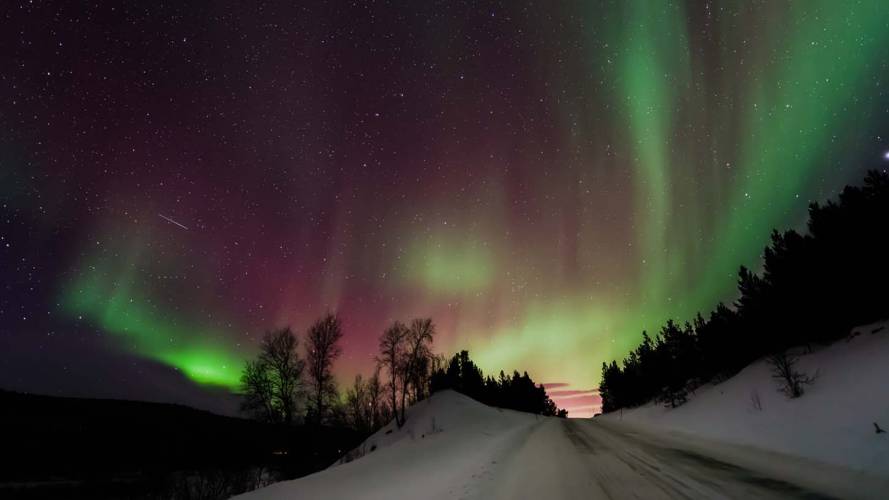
x,y
796,117
652,71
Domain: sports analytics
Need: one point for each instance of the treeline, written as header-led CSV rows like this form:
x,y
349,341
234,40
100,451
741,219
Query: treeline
x,y
280,383
813,288
404,365
283,386
518,392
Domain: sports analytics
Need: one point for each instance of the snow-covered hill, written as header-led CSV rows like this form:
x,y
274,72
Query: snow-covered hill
x,y
447,442
832,422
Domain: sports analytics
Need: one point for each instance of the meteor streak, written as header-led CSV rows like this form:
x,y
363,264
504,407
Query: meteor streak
x,y
164,217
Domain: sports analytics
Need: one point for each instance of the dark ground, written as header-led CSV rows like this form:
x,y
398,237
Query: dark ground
x,y
54,447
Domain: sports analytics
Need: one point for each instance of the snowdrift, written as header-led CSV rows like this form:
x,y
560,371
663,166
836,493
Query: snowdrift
x,y
833,422
445,445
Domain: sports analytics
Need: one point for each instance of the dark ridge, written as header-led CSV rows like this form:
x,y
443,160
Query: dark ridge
x,y
72,446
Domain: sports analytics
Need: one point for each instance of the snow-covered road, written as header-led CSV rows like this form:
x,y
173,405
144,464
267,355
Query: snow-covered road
x,y
453,447
568,459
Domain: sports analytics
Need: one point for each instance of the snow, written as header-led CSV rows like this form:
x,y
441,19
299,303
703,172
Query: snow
x,y
715,446
445,446
831,423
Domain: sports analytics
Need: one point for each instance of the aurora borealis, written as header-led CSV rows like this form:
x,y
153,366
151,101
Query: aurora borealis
x,y
543,179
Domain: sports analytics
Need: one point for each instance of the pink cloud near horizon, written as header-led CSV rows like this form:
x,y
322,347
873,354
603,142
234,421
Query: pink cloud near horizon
x,y
554,385
580,403
570,393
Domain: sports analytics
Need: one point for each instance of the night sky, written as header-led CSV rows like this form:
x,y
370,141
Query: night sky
x,y
543,179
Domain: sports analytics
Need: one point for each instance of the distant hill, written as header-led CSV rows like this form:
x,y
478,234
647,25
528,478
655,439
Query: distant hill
x,y
48,439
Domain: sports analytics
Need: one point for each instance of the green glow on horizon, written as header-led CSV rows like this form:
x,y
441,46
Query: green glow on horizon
x,y
544,338
107,295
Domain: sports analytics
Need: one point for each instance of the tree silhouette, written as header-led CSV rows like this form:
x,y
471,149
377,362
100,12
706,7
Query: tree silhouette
x,y
379,414
791,381
416,359
392,347
518,392
358,407
322,349
258,392
272,384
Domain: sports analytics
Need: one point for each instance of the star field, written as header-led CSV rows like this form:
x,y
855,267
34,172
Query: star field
x,y
544,180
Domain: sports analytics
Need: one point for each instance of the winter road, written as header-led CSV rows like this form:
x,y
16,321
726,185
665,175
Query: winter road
x,y
568,459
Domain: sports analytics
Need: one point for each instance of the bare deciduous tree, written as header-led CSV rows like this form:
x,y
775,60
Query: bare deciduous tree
x,y
258,392
416,359
392,347
322,349
375,389
358,407
790,380
406,355
272,384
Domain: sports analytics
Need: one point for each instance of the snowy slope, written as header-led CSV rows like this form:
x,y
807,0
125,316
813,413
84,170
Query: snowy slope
x,y
832,422
447,443
715,446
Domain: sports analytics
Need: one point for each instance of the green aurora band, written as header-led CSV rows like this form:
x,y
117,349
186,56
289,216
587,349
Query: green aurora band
x,y
106,293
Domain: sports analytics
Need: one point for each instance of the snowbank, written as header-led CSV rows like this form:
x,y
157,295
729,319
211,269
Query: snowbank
x,y
447,443
832,422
